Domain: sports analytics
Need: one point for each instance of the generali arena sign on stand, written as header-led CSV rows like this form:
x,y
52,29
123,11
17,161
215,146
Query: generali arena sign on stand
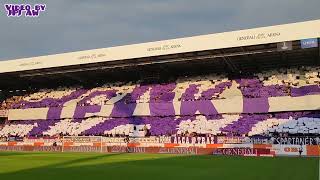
x,y
157,145
264,35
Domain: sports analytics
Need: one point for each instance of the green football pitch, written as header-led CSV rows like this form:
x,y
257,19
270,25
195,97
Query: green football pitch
x,y
91,166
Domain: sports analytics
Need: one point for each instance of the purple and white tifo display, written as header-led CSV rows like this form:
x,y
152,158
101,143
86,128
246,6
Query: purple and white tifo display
x,y
27,10
261,104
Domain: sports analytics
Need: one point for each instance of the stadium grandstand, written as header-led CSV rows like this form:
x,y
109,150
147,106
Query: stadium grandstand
x,y
242,87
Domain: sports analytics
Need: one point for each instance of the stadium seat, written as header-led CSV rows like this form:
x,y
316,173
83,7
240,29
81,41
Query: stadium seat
x,y
295,82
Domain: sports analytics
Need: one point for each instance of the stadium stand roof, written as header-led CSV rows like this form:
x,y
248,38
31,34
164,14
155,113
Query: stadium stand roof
x,y
235,52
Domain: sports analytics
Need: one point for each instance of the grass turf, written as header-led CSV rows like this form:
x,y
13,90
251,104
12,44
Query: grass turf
x,y
90,166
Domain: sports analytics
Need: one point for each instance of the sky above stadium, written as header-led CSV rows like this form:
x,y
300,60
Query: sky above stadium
x,y
73,25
